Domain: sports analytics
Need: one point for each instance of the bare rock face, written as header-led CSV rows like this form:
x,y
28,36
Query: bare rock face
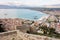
x,y
52,18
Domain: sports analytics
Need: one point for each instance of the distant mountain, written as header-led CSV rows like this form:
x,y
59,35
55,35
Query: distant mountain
x,y
28,7
13,6
52,6
7,6
56,5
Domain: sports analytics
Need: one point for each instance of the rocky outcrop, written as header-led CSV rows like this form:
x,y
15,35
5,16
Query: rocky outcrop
x,y
52,18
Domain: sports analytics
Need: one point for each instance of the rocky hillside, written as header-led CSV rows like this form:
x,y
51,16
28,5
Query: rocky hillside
x,y
25,36
17,35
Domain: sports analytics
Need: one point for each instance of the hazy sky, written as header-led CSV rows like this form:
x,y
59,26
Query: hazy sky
x,y
31,2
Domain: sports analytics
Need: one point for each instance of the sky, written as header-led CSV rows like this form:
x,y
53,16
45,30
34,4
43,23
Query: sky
x,y
30,2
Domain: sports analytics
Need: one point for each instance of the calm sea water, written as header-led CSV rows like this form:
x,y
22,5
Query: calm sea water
x,y
21,13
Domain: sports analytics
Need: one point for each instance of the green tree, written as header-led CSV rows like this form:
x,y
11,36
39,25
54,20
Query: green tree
x,y
45,29
51,30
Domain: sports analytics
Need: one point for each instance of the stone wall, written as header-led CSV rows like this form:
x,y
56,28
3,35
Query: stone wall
x,y
25,36
17,35
10,35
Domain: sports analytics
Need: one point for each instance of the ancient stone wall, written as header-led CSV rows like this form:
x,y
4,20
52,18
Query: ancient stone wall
x,y
25,36
17,35
10,35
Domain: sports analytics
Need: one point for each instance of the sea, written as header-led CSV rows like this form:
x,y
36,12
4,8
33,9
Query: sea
x,y
27,14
